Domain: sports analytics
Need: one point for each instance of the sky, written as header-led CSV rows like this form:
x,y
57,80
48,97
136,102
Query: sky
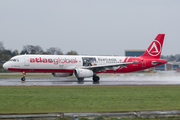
x,y
90,27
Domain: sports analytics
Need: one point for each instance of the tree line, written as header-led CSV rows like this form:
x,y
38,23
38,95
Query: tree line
x,y
171,57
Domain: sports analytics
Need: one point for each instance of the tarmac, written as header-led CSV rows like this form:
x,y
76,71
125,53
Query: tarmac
x,y
160,78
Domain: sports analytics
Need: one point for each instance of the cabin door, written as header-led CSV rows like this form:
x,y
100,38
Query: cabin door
x,y
143,62
26,61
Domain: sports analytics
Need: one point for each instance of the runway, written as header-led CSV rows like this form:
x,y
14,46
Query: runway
x,y
164,78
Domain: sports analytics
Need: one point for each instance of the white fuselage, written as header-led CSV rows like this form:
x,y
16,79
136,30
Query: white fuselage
x,y
58,63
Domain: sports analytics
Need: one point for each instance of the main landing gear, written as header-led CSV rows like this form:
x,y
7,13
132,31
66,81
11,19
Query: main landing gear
x,y
80,80
96,78
23,78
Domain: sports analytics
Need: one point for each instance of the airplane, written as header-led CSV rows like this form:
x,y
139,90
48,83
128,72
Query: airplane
x,y
87,66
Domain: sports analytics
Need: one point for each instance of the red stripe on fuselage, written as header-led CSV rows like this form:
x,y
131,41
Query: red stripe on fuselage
x,y
41,70
126,59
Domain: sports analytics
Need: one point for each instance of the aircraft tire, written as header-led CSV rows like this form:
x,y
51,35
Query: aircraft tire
x,y
80,79
23,79
96,78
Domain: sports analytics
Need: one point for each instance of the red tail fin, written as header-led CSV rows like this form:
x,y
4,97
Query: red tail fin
x,y
155,49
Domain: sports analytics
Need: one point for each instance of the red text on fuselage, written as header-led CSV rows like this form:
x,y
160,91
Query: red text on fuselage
x,y
50,60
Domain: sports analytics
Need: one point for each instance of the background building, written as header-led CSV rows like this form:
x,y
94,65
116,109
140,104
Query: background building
x,y
172,65
134,53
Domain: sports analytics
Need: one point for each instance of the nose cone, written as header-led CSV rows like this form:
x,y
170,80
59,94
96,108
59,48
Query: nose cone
x,y
5,66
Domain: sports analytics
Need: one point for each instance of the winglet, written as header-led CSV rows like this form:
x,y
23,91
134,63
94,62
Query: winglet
x,y
155,49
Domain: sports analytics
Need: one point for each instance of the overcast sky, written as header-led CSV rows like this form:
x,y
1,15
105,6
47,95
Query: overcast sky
x,y
91,27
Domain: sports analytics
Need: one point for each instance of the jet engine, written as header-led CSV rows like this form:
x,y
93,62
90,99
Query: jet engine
x,y
83,73
62,74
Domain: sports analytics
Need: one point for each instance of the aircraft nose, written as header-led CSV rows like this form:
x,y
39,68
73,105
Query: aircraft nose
x,y
5,65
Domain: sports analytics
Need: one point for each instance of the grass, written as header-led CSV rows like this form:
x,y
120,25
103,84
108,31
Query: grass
x,y
23,99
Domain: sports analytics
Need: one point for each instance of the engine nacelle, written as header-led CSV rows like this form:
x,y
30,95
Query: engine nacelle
x,y
83,73
62,74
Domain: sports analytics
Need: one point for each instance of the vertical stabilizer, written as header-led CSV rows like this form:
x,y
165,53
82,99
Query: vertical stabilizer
x,y
155,49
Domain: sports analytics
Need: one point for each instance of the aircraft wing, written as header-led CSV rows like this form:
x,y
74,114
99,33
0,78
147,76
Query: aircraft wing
x,y
107,66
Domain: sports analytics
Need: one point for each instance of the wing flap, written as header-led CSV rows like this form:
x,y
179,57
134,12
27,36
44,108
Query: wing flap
x,y
108,66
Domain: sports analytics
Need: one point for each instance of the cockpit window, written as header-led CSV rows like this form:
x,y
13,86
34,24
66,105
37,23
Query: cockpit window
x,y
14,60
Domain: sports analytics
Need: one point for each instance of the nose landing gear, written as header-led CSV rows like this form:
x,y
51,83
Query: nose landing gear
x,y
23,78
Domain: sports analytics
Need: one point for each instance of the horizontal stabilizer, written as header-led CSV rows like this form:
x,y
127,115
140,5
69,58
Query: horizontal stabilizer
x,y
156,62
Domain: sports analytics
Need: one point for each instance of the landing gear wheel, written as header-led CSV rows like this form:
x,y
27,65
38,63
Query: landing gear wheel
x,y
80,80
96,78
23,78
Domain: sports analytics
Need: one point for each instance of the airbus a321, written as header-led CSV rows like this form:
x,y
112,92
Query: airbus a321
x,y
87,66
